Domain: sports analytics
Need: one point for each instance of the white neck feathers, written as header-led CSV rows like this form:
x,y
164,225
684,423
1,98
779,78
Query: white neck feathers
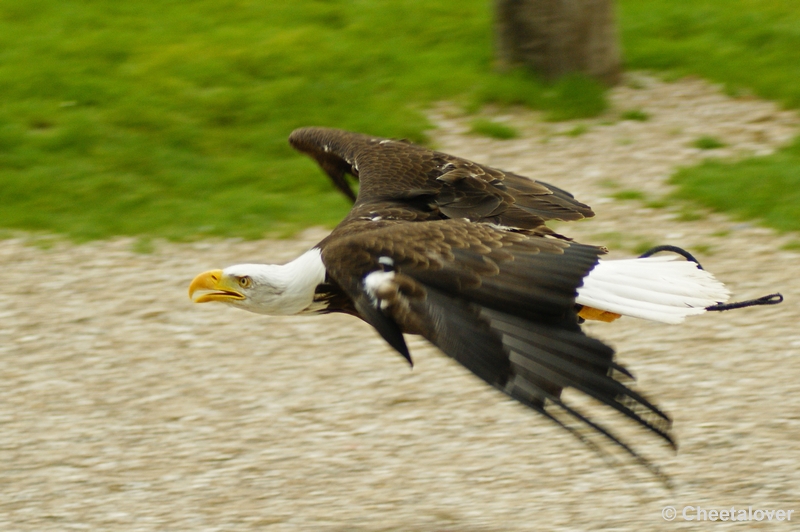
x,y
281,290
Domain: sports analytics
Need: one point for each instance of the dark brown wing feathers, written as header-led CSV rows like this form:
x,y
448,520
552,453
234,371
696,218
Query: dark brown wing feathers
x,y
470,265
502,303
390,170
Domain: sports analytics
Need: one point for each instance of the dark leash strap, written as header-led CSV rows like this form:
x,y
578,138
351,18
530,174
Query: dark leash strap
x,y
771,299
674,249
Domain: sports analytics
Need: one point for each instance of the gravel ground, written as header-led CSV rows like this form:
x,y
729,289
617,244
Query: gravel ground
x,y
125,407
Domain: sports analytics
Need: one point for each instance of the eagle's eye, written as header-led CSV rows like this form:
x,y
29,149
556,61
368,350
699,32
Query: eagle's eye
x,y
245,282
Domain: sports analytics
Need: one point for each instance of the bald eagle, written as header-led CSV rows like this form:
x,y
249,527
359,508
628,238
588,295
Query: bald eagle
x,y
458,252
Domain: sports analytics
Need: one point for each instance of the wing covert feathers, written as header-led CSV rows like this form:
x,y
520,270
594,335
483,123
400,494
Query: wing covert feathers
x,y
442,185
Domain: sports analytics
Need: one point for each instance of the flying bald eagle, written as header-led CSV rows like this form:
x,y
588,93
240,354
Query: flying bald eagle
x,y
459,253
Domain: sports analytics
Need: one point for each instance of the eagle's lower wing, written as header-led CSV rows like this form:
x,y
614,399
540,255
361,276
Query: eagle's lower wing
x,y
499,302
401,171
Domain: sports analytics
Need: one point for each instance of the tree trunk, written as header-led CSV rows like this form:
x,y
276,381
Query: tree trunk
x,y
557,37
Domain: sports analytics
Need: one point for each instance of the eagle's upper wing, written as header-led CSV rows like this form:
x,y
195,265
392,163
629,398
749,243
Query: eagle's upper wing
x,y
502,303
399,171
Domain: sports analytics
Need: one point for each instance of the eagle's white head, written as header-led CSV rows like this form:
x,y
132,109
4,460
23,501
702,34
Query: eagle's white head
x,y
279,290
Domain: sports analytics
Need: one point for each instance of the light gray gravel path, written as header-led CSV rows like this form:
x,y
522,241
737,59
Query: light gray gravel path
x,y
125,407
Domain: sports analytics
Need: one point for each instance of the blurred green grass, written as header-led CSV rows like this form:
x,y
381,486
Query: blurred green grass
x,y
766,188
495,130
751,47
169,119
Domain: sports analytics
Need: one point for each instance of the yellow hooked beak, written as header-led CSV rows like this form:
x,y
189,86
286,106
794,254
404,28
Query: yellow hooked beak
x,y
213,286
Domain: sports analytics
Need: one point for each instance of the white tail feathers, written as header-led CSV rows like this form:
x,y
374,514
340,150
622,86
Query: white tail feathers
x,y
663,288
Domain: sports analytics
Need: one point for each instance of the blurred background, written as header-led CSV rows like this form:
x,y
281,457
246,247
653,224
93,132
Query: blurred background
x,y
125,407
170,119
